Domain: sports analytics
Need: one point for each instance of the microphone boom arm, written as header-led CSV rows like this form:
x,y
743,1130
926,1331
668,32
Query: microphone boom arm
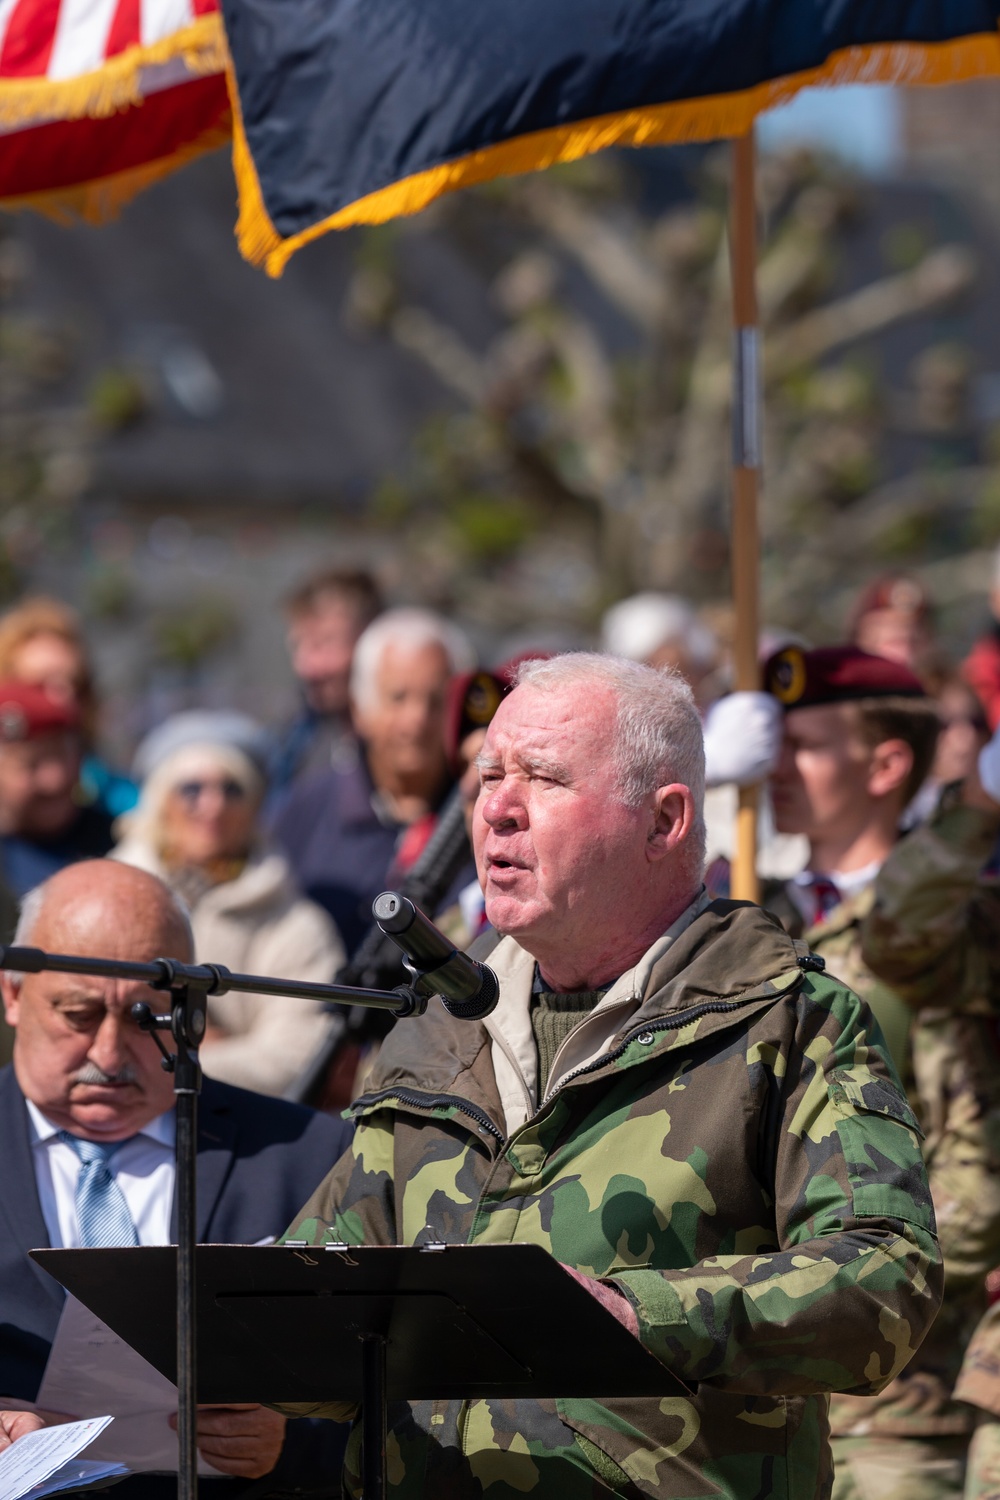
x,y
210,979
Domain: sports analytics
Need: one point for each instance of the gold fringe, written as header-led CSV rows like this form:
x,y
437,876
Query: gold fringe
x,y
710,118
255,234
97,202
115,85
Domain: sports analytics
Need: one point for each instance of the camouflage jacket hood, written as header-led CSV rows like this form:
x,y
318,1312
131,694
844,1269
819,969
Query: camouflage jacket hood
x,y
739,1161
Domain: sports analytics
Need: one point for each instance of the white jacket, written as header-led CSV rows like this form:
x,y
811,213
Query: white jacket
x,y
258,923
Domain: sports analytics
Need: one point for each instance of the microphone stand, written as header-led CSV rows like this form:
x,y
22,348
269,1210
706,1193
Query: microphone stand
x,y
189,986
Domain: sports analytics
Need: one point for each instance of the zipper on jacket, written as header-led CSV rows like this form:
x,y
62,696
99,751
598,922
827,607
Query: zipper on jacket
x,y
666,1023
415,1100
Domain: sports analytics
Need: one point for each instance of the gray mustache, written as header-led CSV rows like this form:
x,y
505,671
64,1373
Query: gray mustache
x,y
91,1073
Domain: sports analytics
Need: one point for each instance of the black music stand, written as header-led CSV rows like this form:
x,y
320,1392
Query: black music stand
x,y
298,1323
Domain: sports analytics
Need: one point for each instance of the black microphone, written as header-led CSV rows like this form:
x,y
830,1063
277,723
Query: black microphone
x,y
469,989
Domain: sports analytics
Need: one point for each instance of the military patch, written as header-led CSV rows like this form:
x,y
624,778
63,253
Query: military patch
x,y
482,699
787,676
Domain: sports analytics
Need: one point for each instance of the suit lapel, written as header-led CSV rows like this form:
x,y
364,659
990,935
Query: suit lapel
x,y
216,1146
19,1201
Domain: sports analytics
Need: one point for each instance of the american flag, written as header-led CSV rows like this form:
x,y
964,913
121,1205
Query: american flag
x,y
100,97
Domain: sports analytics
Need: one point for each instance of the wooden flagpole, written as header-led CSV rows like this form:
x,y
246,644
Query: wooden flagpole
x,y
745,539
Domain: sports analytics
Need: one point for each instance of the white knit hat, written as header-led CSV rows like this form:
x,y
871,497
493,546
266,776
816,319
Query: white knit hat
x,y
202,727
639,626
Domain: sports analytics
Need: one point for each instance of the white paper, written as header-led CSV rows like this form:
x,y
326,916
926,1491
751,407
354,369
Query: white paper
x,y
91,1370
44,1462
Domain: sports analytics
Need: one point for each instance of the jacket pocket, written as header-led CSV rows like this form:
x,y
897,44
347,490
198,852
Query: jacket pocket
x,y
608,1472
884,1165
694,1447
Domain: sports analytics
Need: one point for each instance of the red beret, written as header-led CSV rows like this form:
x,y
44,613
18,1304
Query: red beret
x,y
27,711
836,674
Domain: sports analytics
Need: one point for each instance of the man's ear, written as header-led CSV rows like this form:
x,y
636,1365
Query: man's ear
x,y
890,765
672,821
10,989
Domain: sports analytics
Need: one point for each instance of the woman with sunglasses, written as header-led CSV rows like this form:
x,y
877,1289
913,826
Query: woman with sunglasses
x,y
197,826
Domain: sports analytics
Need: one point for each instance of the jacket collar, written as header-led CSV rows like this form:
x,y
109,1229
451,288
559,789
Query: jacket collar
x,y
730,952
264,878
515,1056
845,915
217,1131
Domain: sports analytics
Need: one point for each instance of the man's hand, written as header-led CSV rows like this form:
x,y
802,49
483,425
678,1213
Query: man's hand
x,y
17,1424
742,738
242,1440
610,1298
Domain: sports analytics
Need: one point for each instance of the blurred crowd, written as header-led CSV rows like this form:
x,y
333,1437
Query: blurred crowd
x,y
880,821
278,838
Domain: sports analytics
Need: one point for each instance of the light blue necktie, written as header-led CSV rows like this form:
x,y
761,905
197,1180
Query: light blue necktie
x,y
102,1213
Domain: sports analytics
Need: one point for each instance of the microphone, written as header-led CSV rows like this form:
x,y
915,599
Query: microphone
x,y
469,989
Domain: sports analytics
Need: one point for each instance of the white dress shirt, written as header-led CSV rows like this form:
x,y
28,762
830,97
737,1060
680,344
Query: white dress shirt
x,y
143,1168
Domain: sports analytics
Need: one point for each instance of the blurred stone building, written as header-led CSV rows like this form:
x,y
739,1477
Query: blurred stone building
x,y
952,135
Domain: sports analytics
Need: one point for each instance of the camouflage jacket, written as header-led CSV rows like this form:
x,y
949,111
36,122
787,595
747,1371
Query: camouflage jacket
x,y
933,932
737,1158
979,1379
883,942
934,928
837,939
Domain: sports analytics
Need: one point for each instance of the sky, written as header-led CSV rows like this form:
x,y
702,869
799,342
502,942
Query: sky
x,y
861,123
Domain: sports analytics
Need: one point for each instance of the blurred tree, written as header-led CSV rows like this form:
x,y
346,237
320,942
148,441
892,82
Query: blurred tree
x,y
605,396
185,637
45,435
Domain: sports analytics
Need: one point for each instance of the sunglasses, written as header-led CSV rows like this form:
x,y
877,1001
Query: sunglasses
x,y
191,791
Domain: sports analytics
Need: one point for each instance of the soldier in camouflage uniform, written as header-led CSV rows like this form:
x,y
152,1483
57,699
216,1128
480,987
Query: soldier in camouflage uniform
x,y
674,1100
857,725
933,933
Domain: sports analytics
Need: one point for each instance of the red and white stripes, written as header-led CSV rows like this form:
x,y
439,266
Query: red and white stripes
x,y
99,98
60,40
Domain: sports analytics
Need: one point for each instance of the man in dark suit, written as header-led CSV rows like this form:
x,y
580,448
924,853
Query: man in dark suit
x,y
86,1133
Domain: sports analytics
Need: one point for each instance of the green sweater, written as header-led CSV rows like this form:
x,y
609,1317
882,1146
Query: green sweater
x,y
553,1017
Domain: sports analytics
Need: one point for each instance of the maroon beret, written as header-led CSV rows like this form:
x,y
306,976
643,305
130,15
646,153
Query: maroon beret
x,y
474,697
836,674
27,711
891,591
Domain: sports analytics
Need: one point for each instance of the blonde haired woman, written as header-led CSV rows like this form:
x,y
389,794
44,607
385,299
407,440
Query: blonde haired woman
x,y
197,827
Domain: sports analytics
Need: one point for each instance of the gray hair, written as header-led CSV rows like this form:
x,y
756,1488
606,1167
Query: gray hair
x,y
658,732
412,629
33,904
28,915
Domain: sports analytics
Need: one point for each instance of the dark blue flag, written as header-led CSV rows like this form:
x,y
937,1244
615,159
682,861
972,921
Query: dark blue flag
x,y
355,111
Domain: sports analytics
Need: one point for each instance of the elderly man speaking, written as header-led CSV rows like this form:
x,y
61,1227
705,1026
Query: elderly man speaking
x,y
673,1099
